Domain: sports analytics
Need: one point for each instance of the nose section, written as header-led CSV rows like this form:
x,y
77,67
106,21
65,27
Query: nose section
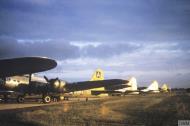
x,y
2,82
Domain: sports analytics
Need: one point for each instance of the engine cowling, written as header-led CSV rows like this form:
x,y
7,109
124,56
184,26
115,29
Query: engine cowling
x,y
57,85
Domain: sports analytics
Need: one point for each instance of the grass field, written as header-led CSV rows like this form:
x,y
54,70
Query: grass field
x,y
148,110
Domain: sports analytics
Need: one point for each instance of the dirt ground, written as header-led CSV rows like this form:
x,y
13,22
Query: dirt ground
x,y
35,103
139,110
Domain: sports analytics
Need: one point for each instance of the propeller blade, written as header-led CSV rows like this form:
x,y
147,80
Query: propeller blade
x,y
46,78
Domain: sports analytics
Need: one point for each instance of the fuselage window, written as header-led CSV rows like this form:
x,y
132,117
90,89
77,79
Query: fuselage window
x,y
1,81
8,79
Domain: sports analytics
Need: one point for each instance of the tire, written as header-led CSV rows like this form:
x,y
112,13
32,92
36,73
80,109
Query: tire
x,y
20,99
66,98
46,99
56,98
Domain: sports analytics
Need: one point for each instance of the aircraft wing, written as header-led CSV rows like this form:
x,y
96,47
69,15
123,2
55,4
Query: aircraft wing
x,y
25,65
128,91
4,92
77,86
95,92
116,87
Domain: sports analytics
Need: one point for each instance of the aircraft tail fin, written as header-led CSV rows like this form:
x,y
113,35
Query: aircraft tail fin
x,y
164,88
97,75
133,84
153,86
132,89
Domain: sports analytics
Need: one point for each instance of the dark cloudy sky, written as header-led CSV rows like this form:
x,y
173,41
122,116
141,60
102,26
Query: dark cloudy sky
x,y
148,39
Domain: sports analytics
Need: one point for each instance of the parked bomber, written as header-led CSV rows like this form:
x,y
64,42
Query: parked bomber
x,y
16,77
107,90
124,89
132,89
96,76
164,88
153,88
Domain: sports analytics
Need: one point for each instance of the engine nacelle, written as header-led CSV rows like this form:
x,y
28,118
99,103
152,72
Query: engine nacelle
x,y
58,86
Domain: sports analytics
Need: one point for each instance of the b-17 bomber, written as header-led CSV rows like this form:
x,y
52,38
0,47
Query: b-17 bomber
x,y
16,77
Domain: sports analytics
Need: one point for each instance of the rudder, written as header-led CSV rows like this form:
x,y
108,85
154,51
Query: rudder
x,y
98,75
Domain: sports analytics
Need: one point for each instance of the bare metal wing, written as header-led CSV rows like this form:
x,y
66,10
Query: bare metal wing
x,y
25,65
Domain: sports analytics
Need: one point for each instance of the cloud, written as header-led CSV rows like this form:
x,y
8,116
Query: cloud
x,y
53,49
163,61
109,50
61,49
160,62
147,39
96,20
82,44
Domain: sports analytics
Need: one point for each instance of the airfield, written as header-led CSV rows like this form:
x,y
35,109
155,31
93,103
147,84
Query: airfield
x,y
132,110
12,104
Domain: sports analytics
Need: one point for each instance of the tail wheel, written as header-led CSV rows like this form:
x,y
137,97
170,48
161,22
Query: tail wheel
x,y
20,99
46,99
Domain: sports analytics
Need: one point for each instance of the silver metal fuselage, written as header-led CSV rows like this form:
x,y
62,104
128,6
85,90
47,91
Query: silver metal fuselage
x,y
10,83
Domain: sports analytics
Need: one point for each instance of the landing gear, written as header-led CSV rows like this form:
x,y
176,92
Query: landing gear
x,y
5,98
46,99
66,98
56,98
20,99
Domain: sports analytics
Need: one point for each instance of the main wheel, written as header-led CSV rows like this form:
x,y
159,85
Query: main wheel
x,y
20,99
66,98
46,99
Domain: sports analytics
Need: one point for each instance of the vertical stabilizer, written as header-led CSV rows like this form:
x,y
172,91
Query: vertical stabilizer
x,y
153,86
132,89
164,88
133,84
98,75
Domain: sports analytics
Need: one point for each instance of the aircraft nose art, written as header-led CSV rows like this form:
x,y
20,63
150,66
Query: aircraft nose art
x,y
25,65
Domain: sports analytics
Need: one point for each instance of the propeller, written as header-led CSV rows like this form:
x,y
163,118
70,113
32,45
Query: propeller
x,y
55,84
51,80
46,78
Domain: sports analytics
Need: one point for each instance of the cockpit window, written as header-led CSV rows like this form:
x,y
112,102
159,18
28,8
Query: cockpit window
x,y
1,81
